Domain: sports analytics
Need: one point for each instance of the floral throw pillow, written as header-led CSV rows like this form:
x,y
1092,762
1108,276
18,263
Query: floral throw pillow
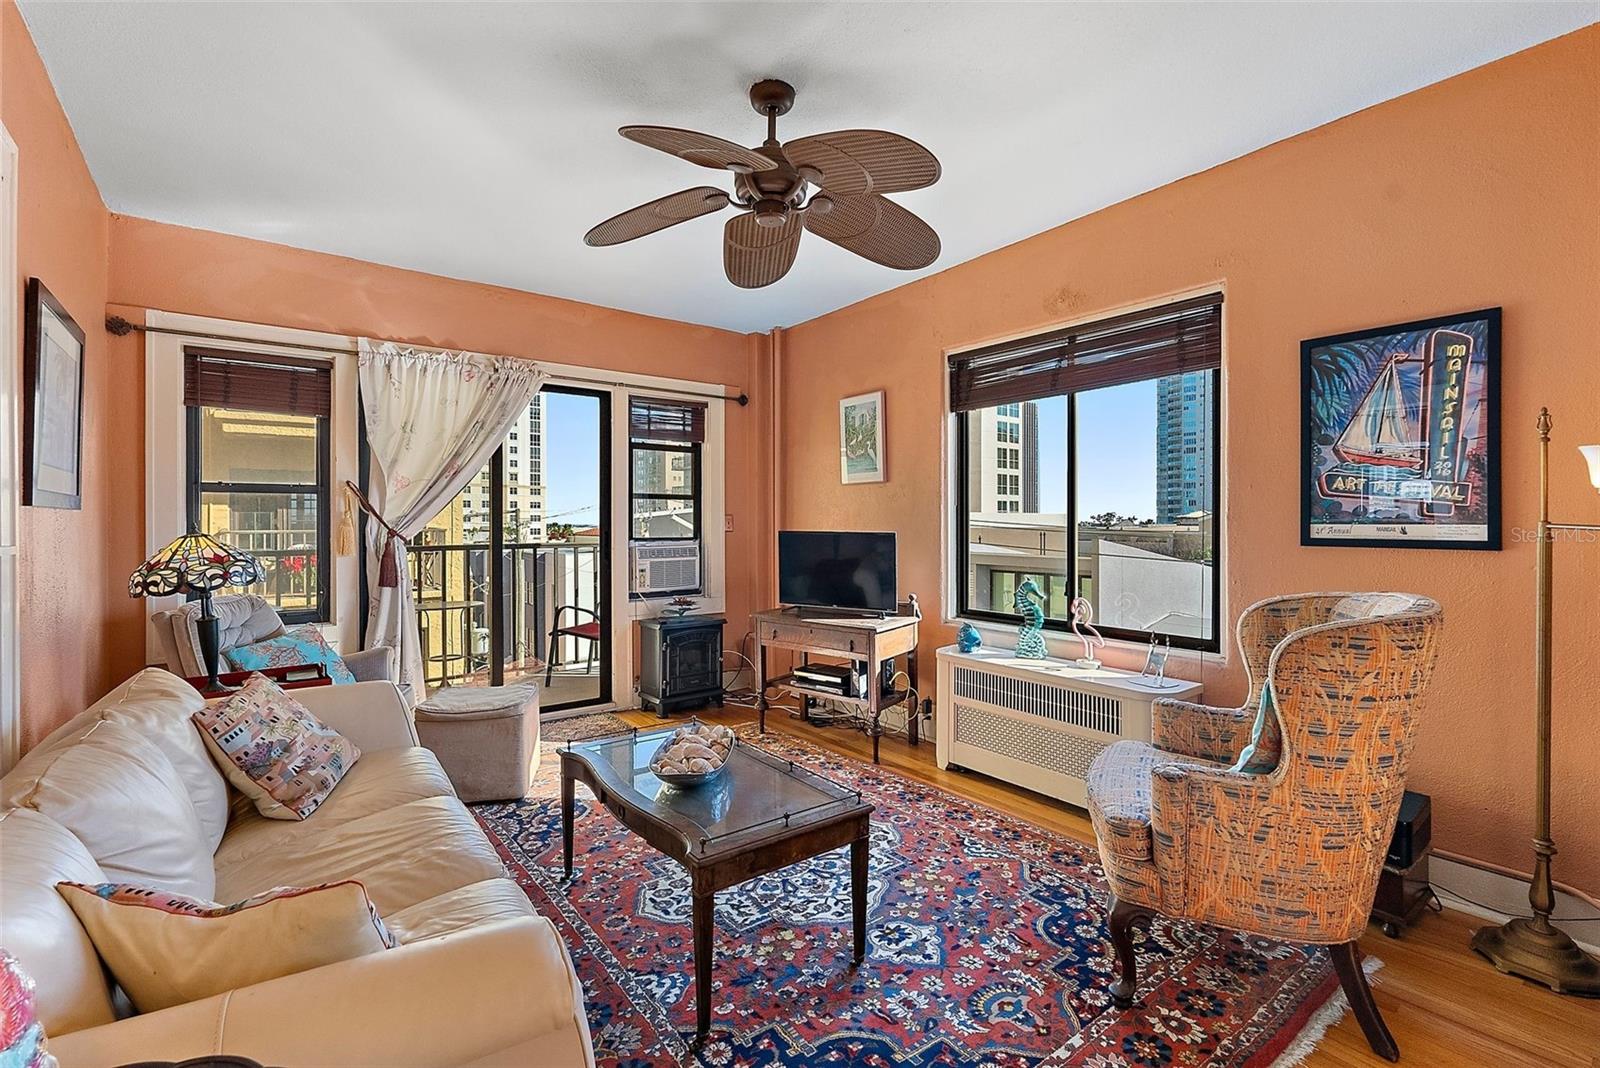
x,y
297,645
21,1035
274,750
168,949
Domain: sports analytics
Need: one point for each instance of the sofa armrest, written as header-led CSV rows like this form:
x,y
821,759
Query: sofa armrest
x,y
485,996
371,714
371,665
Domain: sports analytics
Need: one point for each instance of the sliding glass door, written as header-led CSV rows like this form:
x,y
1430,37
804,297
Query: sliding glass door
x,y
512,579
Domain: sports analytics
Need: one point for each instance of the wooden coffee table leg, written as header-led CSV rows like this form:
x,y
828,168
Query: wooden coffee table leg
x,y
704,911
761,688
858,893
567,810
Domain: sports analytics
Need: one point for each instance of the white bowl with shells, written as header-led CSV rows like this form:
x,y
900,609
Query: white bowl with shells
x,y
693,754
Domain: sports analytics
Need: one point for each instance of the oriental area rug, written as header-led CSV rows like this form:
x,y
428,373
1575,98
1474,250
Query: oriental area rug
x,y
987,947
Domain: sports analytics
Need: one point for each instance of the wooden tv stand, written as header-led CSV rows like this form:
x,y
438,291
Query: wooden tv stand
x,y
816,631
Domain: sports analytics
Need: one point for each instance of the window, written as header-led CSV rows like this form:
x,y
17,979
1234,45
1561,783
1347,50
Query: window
x,y
1117,484
258,468
665,438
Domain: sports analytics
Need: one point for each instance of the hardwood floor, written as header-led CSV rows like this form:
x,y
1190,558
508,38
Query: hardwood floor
x,y
1446,1006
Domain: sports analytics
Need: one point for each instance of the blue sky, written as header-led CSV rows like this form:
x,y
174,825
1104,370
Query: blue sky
x,y
572,459
1116,452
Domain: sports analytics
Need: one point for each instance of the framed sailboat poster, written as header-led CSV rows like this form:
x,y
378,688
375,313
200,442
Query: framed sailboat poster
x,y
1400,443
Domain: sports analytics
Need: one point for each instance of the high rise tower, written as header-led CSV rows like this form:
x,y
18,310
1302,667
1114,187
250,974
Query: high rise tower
x,y
1003,472
1185,414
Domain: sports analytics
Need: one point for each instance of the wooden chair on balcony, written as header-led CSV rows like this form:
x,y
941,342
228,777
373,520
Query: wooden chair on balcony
x,y
589,631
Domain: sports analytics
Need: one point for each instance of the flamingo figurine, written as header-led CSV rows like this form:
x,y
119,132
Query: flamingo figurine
x,y
1083,615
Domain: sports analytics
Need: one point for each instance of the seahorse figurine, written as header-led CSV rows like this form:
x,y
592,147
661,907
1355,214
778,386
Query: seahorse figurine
x,y
1083,615
1030,636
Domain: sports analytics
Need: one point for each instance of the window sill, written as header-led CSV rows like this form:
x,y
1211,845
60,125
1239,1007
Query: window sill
x,y
1123,652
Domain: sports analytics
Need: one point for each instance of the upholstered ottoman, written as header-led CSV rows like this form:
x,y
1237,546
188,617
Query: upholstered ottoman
x,y
486,738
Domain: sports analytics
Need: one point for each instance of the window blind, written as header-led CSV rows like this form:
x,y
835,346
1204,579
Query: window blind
x,y
218,378
654,419
1185,335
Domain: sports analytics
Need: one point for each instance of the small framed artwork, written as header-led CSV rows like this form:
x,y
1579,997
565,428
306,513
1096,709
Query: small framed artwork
x,y
861,438
1400,435
52,403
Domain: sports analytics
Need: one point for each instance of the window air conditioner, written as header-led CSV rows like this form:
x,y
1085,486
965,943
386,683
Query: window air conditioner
x,y
665,567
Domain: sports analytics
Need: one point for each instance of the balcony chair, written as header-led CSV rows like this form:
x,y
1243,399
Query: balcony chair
x,y
243,619
589,631
1291,852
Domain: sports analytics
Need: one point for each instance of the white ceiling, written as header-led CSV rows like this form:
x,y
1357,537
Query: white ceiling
x,y
478,140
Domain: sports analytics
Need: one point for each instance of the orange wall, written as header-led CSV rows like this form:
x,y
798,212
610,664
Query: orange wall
x,y
71,571
1475,192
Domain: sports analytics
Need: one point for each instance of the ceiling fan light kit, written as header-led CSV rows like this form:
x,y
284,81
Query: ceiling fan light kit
x,y
831,184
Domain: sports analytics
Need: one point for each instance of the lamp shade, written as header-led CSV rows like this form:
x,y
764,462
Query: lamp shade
x,y
194,563
1591,453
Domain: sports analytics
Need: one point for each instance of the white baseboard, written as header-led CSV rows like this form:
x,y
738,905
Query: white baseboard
x,y
1498,898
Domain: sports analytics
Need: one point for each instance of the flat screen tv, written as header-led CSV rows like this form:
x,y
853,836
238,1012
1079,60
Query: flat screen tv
x,y
837,569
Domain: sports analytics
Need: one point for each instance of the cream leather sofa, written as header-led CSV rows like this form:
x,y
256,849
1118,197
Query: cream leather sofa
x,y
479,979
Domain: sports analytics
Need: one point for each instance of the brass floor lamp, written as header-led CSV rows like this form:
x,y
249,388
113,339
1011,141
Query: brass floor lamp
x,y
1535,948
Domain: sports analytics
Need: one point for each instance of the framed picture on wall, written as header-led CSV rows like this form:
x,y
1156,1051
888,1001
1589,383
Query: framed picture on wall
x,y
861,438
52,403
1400,435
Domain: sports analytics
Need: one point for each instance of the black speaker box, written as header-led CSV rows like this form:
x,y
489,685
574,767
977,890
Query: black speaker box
x,y
1413,833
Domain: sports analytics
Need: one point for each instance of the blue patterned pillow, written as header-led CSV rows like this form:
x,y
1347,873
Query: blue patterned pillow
x,y
297,645
1247,759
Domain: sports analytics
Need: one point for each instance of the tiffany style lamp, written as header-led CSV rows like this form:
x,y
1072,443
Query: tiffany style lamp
x,y
197,563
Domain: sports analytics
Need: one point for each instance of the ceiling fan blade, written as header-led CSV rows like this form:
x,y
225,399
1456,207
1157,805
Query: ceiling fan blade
x,y
877,228
854,162
753,255
703,149
657,215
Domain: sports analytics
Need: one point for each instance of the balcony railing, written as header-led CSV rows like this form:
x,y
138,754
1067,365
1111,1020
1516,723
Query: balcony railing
x,y
454,610
288,559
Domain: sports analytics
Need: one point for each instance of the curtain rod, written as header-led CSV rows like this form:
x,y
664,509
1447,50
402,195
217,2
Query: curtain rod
x,y
117,326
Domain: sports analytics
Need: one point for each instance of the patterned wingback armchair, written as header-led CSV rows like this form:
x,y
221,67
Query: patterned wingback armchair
x,y
1293,852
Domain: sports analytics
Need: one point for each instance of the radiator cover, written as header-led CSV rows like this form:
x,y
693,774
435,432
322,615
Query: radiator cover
x,y
1038,723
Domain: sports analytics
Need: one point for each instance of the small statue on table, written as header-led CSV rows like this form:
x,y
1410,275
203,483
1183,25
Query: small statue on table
x,y
1083,617
1030,636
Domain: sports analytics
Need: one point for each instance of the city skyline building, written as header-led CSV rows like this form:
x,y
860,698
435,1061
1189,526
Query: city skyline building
x,y
1185,411
1005,440
524,482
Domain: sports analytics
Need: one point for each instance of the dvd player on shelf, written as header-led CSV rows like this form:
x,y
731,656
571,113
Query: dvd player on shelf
x,y
825,672
830,678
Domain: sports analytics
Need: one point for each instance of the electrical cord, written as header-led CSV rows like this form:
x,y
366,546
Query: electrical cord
x,y
745,697
1438,905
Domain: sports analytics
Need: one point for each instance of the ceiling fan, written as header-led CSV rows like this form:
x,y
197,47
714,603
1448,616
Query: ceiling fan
x,y
831,184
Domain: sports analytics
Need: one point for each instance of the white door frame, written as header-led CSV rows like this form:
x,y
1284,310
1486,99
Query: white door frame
x,y
10,465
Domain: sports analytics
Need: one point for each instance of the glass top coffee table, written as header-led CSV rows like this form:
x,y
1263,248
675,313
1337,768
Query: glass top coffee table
x,y
763,813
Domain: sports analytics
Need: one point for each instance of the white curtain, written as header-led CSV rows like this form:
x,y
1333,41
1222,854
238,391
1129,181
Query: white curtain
x,y
433,420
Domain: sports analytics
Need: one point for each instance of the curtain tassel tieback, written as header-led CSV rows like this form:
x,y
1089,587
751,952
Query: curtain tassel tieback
x,y
345,543
388,564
